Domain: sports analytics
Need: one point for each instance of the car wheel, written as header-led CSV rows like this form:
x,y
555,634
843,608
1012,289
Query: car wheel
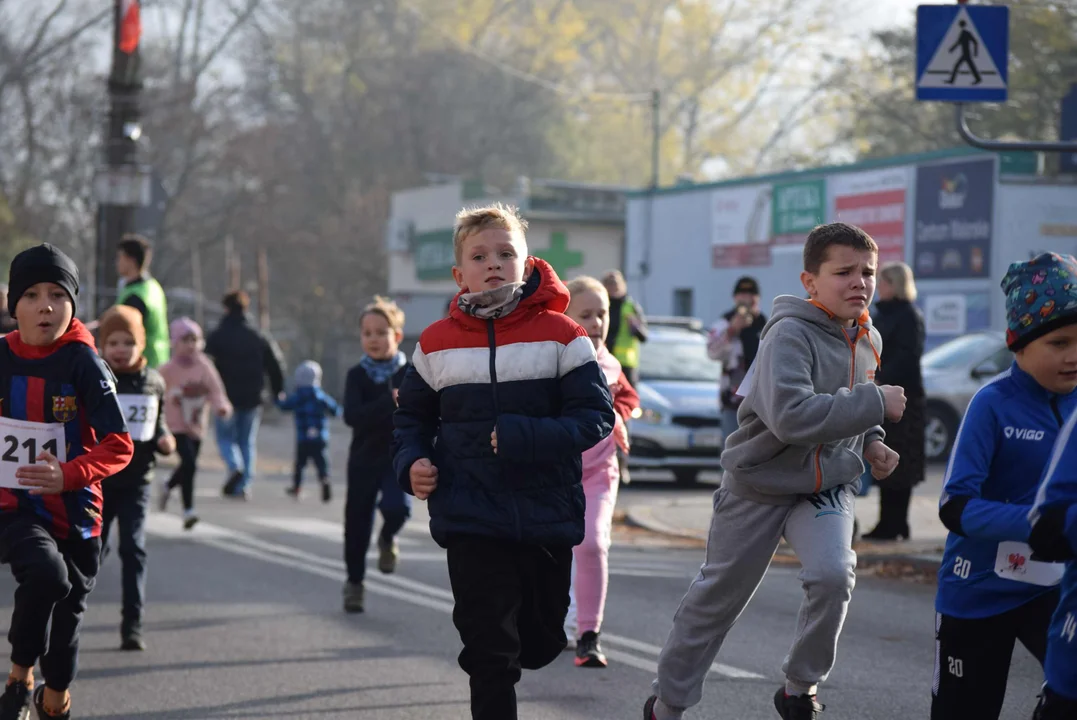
x,y
940,429
685,476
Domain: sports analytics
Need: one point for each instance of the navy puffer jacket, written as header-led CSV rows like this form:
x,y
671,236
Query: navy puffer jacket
x,y
533,374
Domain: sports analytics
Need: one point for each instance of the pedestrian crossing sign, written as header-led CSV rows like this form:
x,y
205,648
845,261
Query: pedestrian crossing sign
x,y
962,52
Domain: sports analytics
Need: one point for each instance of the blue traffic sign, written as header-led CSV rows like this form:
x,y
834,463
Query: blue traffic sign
x,y
962,52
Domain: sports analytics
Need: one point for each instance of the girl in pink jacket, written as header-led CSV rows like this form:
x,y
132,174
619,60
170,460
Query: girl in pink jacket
x,y
191,381
590,308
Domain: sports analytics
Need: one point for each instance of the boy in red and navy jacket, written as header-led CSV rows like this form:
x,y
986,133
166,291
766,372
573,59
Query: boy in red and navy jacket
x,y
52,380
504,397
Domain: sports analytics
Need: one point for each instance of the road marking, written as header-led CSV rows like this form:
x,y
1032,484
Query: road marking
x,y
311,527
393,586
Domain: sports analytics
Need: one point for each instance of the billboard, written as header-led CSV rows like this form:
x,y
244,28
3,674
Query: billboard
x,y
740,226
954,219
797,208
875,200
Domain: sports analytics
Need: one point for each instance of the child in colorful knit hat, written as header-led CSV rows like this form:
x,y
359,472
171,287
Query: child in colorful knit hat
x,y
992,590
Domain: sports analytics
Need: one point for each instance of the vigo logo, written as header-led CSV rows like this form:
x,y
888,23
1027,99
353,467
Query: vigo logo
x,y
1023,434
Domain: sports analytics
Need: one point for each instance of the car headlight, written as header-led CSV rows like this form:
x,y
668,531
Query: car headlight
x,y
647,415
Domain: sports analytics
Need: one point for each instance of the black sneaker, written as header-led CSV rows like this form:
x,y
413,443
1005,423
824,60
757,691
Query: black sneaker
x,y
15,702
353,597
293,491
232,484
39,705
797,707
589,652
388,555
648,708
189,520
131,638
327,491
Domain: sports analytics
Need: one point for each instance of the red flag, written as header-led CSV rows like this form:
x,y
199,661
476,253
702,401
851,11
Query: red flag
x,y
130,26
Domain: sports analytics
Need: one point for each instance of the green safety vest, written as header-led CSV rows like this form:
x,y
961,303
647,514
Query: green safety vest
x,y
152,295
626,345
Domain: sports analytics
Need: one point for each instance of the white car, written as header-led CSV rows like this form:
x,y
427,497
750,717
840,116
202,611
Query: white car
x,y
677,425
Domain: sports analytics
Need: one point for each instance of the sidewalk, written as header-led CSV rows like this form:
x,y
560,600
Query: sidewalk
x,y
688,517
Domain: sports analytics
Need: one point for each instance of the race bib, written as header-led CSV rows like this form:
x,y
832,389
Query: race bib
x,y
1014,562
140,412
21,442
192,409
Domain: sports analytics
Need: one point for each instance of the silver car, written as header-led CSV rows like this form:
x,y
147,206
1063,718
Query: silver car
x,y
677,425
953,372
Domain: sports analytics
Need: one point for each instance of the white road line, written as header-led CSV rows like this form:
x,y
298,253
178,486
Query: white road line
x,y
406,589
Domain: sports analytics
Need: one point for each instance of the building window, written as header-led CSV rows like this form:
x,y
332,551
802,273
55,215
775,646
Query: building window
x,y
682,302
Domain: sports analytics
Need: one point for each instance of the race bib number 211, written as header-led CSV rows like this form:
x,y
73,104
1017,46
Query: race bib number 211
x,y
22,441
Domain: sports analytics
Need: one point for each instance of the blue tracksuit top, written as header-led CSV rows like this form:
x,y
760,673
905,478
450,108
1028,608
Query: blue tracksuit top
x,y
1059,487
1001,450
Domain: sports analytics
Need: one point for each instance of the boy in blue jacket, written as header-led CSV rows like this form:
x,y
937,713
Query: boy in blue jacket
x,y
370,394
993,590
311,405
504,397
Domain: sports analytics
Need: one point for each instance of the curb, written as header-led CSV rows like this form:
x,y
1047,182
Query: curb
x,y
642,518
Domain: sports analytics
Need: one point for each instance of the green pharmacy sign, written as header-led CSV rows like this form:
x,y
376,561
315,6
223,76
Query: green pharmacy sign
x,y
795,209
434,255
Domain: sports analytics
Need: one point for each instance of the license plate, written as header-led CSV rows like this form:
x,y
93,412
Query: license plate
x,y
705,439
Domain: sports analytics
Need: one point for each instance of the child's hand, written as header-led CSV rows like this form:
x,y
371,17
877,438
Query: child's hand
x,y
424,478
620,434
493,440
882,459
45,477
224,413
166,444
893,402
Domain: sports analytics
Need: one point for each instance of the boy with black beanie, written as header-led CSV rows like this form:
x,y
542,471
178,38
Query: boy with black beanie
x,y
141,392
58,396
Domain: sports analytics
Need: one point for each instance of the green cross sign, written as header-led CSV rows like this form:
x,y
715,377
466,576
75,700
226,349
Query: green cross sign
x,y
559,255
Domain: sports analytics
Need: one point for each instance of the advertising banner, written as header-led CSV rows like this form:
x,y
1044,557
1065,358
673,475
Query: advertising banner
x,y
740,226
796,209
954,206
875,201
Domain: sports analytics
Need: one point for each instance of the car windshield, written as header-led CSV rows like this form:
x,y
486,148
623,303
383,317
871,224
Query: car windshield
x,y
677,359
964,351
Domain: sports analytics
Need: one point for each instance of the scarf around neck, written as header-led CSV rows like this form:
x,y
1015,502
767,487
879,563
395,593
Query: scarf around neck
x,y
381,370
493,303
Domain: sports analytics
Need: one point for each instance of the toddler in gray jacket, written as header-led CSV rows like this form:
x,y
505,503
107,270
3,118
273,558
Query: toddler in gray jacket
x,y
809,422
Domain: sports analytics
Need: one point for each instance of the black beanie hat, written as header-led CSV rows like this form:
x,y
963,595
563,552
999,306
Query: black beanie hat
x,y
41,263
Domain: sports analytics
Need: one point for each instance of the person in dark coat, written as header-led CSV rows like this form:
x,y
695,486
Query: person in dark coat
x,y
901,325
370,393
245,357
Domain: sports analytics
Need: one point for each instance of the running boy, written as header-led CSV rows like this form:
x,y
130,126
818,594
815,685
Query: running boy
x,y
590,308
792,468
370,393
504,397
1054,538
141,392
311,405
992,591
58,396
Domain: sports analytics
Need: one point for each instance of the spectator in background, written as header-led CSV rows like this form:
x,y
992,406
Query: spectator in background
x,y
734,341
144,294
7,319
628,327
244,357
901,326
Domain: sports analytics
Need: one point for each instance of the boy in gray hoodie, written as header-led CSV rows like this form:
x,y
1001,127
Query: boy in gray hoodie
x,y
809,421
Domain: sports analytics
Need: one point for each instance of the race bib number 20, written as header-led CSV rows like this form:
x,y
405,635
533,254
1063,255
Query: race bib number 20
x,y
22,441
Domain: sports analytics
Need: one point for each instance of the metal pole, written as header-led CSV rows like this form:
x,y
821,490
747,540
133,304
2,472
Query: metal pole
x,y
1003,145
656,135
121,149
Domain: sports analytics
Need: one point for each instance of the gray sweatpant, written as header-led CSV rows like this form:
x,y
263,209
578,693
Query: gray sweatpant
x,y
743,537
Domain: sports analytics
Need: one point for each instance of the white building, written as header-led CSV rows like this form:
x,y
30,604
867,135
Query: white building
x,y
579,229
958,217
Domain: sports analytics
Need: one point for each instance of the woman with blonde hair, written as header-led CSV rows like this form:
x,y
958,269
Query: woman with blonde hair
x,y
901,325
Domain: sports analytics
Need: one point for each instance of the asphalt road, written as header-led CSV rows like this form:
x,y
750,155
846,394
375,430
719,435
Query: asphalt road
x,y
244,620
